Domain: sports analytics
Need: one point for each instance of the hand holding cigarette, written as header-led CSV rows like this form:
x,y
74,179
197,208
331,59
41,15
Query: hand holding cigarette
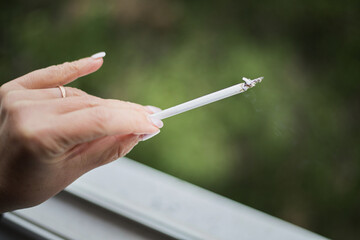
x,y
51,134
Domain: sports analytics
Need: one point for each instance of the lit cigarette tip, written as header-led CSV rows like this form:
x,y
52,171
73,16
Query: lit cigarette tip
x,y
251,83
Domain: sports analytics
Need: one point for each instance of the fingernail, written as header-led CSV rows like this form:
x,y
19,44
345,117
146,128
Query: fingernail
x,y
157,122
148,136
154,109
99,55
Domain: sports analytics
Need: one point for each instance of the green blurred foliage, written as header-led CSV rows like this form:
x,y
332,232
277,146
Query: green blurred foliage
x,y
289,147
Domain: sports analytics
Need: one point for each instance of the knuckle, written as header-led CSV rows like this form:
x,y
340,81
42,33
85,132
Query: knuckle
x,y
23,129
143,117
70,68
90,101
75,92
112,102
32,136
3,91
101,116
64,70
53,70
135,106
27,135
132,105
13,108
6,100
126,104
19,122
60,70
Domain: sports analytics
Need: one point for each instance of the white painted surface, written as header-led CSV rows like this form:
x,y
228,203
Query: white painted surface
x,y
164,202
157,200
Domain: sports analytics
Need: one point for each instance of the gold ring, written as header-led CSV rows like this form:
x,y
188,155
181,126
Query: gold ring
x,y
63,91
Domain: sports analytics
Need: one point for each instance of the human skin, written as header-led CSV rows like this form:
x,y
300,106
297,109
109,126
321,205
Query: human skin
x,y
47,142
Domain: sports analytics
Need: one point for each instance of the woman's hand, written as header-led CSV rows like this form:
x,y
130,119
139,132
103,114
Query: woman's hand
x,y
46,141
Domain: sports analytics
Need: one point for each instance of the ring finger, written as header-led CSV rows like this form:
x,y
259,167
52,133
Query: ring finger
x,y
43,94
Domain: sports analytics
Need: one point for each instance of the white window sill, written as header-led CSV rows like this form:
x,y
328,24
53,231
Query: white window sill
x,y
127,200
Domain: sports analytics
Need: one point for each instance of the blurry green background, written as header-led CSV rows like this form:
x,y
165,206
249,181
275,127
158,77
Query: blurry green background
x,y
289,147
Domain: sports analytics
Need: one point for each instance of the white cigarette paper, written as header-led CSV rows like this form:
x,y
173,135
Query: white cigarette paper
x,y
212,97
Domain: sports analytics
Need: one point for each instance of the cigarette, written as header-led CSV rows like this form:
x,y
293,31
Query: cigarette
x,y
204,100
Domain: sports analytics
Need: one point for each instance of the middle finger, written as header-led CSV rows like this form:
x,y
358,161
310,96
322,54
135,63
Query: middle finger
x,y
66,105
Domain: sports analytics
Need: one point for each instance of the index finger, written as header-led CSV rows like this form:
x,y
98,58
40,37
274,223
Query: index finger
x,y
59,74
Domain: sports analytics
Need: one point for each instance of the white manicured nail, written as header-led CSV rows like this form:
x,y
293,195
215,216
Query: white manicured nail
x,y
99,55
157,122
148,136
154,109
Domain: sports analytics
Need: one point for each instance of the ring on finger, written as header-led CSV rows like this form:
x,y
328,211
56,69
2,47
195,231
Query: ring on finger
x,y
63,91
